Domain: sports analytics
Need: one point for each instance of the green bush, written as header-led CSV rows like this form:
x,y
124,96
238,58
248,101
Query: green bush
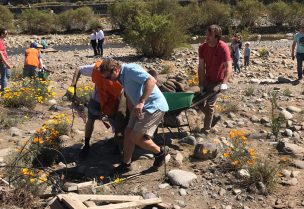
x,y
79,19
248,11
122,12
154,35
6,18
37,21
217,13
296,14
278,12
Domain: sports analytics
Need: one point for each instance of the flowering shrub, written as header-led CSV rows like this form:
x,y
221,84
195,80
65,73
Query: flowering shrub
x,y
84,94
237,153
193,78
27,93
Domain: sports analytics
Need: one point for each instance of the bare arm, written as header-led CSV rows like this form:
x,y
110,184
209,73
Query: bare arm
x,y
148,88
293,48
228,72
75,77
5,61
201,72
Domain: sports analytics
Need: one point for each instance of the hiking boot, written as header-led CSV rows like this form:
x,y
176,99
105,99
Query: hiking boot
x,y
123,168
215,120
160,158
84,152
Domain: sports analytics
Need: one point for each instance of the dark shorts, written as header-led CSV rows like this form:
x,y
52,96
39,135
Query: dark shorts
x,y
30,71
94,110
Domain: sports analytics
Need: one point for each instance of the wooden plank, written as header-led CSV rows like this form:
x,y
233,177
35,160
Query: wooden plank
x,y
89,204
86,184
109,198
72,201
129,204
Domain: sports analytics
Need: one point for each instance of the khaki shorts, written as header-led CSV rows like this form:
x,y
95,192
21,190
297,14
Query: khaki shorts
x,y
147,123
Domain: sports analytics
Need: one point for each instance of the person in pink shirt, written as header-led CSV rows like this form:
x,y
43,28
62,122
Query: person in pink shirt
x,y
5,66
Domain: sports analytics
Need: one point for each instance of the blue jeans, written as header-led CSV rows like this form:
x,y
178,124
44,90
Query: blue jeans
x,y
300,59
236,65
4,75
246,61
100,47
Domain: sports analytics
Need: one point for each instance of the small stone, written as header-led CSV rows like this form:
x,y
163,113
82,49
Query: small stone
x,y
70,187
189,140
290,182
176,207
181,178
294,174
182,192
287,115
286,173
167,158
292,204
52,102
64,138
181,203
288,132
15,131
205,151
163,186
298,164
228,207
254,119
293,109
222,192
265,120
246,207
243,173
149,195
179,158
261,187
236,191
278,202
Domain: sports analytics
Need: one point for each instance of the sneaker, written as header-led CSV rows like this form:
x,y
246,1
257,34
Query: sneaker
x,y
215,120
84,152
123,168
160,158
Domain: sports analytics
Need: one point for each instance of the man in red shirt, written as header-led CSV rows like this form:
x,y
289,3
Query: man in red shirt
x,y
214,70
4,64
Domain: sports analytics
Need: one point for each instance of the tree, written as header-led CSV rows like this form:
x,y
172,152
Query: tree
x,y
6,18
278,12
248,11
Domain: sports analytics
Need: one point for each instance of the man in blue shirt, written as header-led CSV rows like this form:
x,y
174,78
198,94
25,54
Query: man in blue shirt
x,y
148,108
299,42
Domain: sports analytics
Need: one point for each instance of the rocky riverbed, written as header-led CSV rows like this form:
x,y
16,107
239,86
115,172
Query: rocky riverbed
x,y
190,183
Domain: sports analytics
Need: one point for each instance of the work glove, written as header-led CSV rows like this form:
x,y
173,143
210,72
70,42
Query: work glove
x,y
223,87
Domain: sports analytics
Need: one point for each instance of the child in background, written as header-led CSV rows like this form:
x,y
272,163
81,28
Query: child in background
x,y
44,43
246,54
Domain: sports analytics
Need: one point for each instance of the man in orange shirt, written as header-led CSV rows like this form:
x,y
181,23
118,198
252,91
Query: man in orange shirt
x,y
33,60
106,98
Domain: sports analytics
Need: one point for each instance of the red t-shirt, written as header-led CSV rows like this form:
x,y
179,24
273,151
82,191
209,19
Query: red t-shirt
x,y
215,57
3,49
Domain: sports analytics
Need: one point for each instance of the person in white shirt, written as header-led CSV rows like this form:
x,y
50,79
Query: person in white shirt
x,y
94,41
100,40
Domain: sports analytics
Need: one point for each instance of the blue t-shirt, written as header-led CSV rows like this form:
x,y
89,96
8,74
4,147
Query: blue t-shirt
x,y
246,52
133,78
299,38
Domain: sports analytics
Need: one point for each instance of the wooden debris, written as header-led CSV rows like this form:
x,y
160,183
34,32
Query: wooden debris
x,y
78,201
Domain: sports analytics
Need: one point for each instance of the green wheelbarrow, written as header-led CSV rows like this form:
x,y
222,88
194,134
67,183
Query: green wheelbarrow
x,y
179,102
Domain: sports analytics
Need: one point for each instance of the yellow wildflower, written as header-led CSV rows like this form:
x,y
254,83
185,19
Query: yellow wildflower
x,y
101,178
226,154
25,171
32,180
118,180
205,151
235,162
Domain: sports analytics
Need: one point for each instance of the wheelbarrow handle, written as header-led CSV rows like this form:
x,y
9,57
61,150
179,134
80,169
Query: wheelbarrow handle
x,y
205,97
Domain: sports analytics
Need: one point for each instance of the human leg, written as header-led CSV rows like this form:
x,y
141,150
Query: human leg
x,y
3,72
300,59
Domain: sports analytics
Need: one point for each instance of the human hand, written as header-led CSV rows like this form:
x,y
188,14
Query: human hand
x,y
223,87
138,109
